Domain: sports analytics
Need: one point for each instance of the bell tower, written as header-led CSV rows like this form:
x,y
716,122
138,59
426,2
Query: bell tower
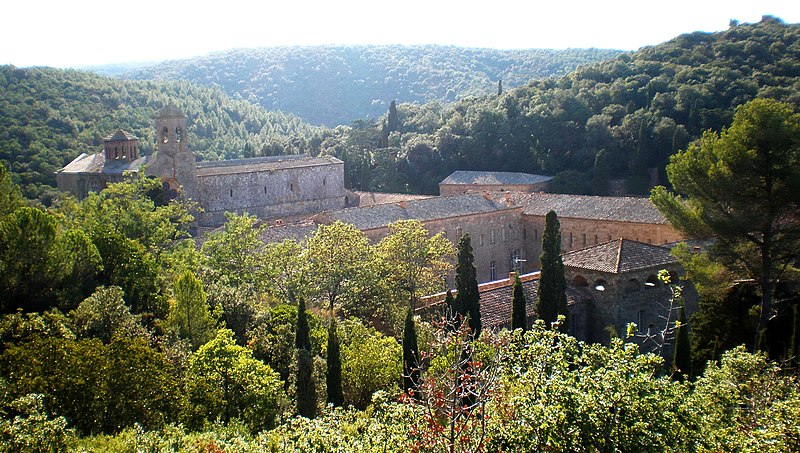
x,y
173,162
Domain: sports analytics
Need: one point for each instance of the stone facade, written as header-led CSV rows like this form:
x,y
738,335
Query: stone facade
x,y
92,172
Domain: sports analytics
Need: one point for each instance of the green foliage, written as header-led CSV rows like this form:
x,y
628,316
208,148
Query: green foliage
x,y
104,315
552,296
10,195
305,387
32,430
234,253
21,327
412,362
96,387
225,382
333,371
189,314
743,403
743,187
468,300
371,362
519,315
346,81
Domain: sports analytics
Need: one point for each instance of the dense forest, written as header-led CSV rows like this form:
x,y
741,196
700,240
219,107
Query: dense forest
x,y
49,116
334,85
607,127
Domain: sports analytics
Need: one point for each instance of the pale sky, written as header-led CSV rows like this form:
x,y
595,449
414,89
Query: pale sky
x,y
70,33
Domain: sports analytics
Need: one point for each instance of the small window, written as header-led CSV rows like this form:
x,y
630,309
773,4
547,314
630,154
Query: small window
x,y
492,271
324,181
491,236
651,282
641,321
231,193
165,135
570,240
265,189
584,240
595,240
459,233
600,285
178,135
579,281
480,240
503,234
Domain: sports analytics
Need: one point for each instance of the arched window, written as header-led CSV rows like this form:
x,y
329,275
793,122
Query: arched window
x,y
651,282
600,285
165,135
579,281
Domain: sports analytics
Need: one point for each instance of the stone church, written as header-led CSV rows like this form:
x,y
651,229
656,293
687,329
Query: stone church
x,y
267,187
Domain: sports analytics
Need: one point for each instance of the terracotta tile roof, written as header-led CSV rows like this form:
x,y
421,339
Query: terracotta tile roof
x,y
373,198
96,163
620,209
619,256
496,300
258,164
121,136
377,216
493,177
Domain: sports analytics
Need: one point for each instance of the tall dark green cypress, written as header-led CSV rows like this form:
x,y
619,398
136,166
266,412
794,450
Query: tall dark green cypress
x,y
519,314
333,375
682,358
794,343
450,311
411,363
468,300
392,120
552,297
305,387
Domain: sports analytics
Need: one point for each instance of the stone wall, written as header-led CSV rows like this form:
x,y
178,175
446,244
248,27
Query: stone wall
x,y
282,193
581,233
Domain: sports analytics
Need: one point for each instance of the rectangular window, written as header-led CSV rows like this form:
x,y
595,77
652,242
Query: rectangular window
x,y
491,236
570,240
492,272
595,240
641,321
584,240
503,234
480,240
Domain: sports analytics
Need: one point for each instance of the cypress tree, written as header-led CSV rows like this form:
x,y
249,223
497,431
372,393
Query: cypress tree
x,y
794,343
305,388
302,340
682,358
333,375
451,311
411,363
519,315
392,120
552,297
468,300
500,87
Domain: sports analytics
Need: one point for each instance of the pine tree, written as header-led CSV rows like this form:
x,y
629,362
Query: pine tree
x,y
410,355
519,315
468,300
333,375
305,387
552,297
682,358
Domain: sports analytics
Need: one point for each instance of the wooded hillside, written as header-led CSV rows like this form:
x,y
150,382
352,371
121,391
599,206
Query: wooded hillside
x,y
335,85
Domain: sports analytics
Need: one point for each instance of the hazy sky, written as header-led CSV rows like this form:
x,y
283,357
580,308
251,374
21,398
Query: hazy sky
x,y
85,32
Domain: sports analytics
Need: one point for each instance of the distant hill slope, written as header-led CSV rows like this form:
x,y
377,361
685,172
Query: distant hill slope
x,y
335,85
50,116
618,119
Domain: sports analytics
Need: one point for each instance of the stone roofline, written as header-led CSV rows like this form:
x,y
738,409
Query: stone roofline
x,y
620,241
438,219
438,298
208,170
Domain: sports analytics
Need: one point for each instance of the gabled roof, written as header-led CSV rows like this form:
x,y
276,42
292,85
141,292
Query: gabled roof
x,y
494,177
620,209
258,164
96,163
619,256
120,136
377,216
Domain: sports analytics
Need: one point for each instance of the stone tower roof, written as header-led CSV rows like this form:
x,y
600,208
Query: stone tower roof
x,y
619,256
121,136
494,178
171,111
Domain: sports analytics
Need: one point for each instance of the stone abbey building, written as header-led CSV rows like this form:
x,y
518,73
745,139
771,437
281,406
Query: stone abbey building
x,y
268,187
